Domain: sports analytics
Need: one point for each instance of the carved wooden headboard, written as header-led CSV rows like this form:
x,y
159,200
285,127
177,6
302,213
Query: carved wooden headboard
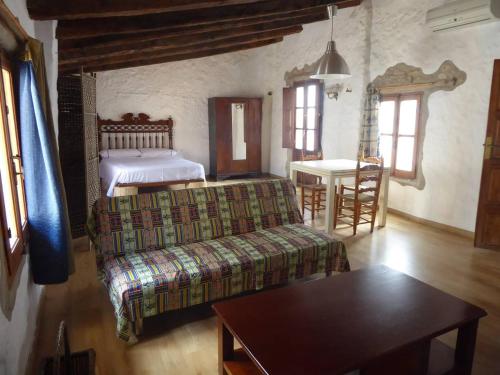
x,y
135,132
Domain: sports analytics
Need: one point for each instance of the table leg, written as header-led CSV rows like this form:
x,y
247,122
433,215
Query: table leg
x,y
293,176
464,351
330,204
226,345
384,200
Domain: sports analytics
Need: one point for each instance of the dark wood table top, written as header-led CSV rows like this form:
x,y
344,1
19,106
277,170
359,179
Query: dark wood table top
x,y
341,323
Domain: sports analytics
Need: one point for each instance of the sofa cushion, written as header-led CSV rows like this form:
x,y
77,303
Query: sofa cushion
x,y
149,283
145,222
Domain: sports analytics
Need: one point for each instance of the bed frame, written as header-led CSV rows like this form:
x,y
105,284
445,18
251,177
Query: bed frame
x,y
138,132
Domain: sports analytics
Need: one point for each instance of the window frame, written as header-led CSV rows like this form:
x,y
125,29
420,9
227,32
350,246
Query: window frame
x,y
318,126
13,253
398,98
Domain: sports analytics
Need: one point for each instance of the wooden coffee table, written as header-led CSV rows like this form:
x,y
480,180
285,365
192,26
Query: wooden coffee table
x,y
376,320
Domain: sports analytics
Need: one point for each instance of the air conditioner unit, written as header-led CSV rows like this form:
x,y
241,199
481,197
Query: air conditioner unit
x,y
462,13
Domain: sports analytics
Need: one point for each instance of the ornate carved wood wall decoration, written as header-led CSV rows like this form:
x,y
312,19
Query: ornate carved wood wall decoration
x,y
135,132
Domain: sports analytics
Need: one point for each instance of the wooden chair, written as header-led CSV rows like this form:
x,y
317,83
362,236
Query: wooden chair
x,y
358,204
312,190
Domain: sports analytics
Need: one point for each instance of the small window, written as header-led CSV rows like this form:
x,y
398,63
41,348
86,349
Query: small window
x,y
399,120
13,218
307,117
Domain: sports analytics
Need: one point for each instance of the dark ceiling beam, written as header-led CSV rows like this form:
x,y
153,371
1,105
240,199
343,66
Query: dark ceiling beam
x,y
85,28
131,45
151,53
112,41
77,9
348,3
103,66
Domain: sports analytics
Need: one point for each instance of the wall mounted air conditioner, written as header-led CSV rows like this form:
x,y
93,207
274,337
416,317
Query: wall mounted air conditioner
x,y
462,13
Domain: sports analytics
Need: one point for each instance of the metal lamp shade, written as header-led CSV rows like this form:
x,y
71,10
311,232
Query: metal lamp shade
x,y
331,65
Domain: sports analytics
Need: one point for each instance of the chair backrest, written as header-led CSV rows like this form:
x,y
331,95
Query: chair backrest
x,y
131,224
369,170
305,178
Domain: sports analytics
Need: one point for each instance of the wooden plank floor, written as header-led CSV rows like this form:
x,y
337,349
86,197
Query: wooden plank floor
x,y
186,342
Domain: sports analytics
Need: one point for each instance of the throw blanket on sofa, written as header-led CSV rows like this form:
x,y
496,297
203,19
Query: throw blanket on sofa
x,y
174,249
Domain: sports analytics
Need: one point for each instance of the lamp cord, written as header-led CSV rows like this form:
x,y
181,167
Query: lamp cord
x,y
333,14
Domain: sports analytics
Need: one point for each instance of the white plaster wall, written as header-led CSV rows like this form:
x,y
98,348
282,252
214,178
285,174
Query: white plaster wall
x,y
372,37
17,334
180,90
456,127
341,119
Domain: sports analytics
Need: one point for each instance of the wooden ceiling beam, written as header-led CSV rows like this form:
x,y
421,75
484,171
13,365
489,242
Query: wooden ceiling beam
x,y
70,10
103,66
112,41
131,45
85,28
156,53
78,9
348,3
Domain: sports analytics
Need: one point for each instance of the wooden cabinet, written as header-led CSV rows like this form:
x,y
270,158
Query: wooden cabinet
x,y
235,136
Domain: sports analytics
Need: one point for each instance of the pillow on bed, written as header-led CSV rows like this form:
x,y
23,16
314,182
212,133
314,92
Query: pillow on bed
x,y
156,152
123,153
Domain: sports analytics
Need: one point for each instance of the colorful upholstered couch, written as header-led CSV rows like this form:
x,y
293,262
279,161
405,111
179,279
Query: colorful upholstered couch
x,y
174,249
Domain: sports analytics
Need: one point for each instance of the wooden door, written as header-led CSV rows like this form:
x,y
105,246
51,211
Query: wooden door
x,y
253,130
488,214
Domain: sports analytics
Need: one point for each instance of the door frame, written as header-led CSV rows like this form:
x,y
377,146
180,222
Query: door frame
x,y
489,159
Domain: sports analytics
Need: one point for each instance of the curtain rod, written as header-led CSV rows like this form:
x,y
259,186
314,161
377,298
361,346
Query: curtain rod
x,y
12,23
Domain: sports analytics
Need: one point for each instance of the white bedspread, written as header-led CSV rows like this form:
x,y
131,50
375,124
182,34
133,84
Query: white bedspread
x,y
141,170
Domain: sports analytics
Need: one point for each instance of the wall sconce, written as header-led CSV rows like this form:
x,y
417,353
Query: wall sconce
x,y
334,91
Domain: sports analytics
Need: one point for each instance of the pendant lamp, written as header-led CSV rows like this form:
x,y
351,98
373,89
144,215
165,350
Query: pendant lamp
x,y
331,65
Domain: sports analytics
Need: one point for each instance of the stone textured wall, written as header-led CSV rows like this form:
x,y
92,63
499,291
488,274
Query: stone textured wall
x,y
372,37
341,118
180,90
456,127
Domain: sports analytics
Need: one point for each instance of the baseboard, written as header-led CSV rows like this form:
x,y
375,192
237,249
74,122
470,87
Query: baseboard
x,y
448,228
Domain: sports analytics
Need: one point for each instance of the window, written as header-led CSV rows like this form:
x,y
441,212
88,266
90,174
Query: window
x,y
399,119
308,101
13,218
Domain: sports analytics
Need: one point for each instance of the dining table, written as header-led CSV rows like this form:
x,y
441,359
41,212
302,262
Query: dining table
x,y
334,172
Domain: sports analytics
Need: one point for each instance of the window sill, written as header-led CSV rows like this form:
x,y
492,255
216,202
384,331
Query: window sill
x,y
418,182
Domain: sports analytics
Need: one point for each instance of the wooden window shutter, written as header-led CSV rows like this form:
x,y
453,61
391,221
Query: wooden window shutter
x,y
288,117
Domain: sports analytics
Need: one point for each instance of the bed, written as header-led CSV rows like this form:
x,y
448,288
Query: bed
x,y
138,152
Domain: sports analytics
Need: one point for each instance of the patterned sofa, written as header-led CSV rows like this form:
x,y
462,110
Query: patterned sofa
x,y
174,249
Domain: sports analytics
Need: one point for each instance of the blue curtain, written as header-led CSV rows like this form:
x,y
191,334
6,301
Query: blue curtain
x,y
50,238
